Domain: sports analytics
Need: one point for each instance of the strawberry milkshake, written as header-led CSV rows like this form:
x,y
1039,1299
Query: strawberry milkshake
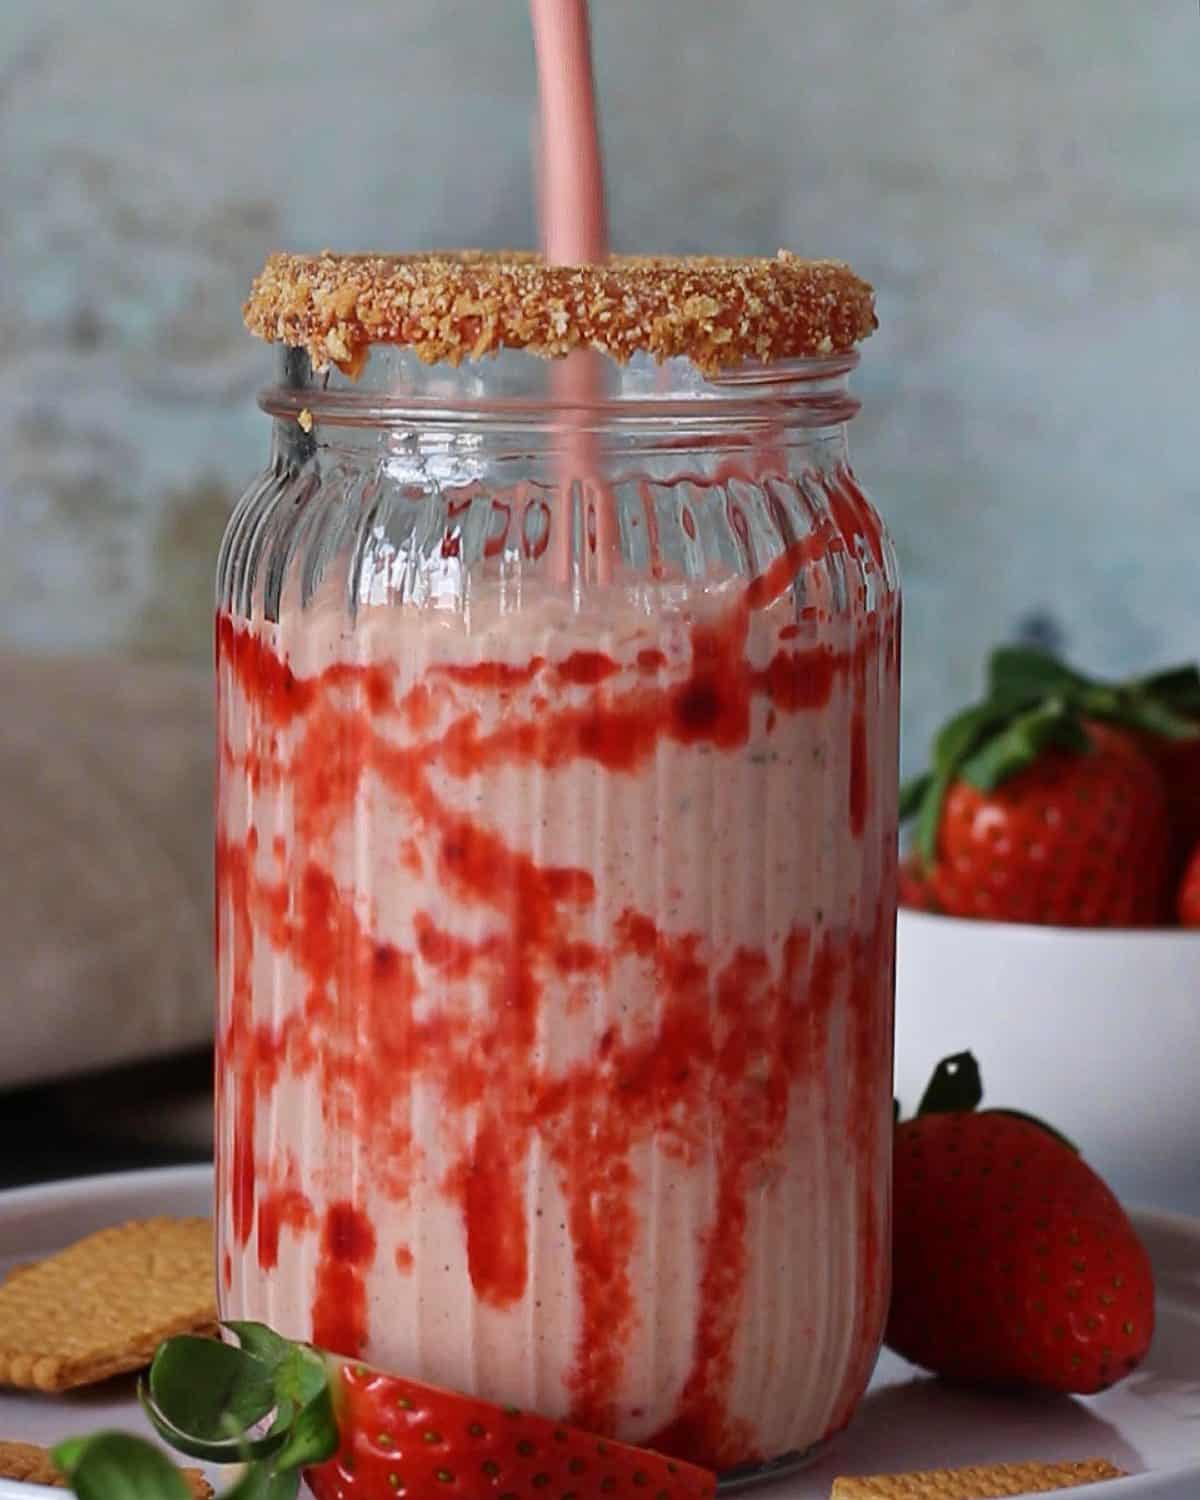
x,y
555,832
555,919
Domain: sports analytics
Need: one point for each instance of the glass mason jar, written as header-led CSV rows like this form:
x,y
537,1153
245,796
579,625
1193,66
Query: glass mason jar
x,y
556,891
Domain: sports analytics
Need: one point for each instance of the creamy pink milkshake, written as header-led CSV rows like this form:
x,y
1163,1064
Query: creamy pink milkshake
x,y
555,923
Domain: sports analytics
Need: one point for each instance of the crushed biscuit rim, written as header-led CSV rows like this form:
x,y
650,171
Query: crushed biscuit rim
x,y
718,313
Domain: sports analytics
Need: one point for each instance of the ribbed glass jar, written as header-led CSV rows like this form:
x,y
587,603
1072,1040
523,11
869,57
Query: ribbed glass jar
x,y
556,892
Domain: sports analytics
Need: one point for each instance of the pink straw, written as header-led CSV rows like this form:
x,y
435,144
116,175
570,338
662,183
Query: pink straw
x,y
574,230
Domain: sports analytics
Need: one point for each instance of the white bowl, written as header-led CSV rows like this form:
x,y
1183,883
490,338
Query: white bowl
x,y
1097,1032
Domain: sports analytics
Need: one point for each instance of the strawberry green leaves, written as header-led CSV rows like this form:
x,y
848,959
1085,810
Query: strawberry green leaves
x,y
263,1402
203,1396
1021,742
1164,704
210,1399
1178,688
311,1434
1020,675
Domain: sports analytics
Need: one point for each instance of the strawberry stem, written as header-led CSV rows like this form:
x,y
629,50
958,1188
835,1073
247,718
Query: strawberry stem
x,y
956,1086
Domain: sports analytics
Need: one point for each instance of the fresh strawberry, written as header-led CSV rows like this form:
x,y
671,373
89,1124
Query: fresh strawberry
x,y
360,1434
399,1435
1038,809
1162,711
1013,1264
914,889
1076,839
1178,763
1188,899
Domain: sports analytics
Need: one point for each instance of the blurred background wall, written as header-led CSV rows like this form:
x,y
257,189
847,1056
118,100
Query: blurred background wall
x,y
1021,181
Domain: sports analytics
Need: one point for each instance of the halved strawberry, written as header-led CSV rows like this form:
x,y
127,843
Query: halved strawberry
x,y
399,1437
362,1434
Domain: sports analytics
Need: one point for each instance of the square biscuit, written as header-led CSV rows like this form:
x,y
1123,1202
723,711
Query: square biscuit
x,y
977,1482
102,1306
29,1464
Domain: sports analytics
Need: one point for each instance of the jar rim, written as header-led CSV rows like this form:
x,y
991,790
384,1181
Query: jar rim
x,y
451,306
516,390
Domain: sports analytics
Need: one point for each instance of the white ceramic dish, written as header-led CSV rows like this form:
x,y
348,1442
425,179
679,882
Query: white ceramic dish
x,y
1148,1424
1098,1032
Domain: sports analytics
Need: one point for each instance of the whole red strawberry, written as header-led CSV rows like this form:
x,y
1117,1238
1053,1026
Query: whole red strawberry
x,y
1013,1264
1188,899
1044,802
1077,838
914,890
1178,763
1162,711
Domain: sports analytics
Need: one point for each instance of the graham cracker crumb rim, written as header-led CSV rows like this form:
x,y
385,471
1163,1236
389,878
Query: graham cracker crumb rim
x,y
448,306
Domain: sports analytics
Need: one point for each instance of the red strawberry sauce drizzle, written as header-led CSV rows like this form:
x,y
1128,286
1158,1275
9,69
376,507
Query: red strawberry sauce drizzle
x,y
356,1028
339,1313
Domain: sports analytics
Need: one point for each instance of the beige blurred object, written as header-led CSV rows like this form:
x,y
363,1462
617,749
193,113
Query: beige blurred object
x,y
105,867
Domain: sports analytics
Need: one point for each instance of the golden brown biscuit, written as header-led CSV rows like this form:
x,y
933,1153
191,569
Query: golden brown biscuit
x,y
30,1464
978,1482
105,1304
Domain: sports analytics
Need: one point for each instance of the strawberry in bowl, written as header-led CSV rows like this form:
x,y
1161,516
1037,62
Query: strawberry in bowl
x,y
1041,904
1057,799
1188,902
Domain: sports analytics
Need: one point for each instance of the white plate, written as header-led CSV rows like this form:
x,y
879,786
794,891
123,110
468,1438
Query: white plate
x,y
1096,1031
1149,1425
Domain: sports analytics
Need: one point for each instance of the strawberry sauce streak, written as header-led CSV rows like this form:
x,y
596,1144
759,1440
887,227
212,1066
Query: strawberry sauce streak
x,y
356,1024
340,1302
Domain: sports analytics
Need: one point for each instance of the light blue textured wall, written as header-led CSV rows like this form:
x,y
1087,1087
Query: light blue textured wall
x,y
1021,182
